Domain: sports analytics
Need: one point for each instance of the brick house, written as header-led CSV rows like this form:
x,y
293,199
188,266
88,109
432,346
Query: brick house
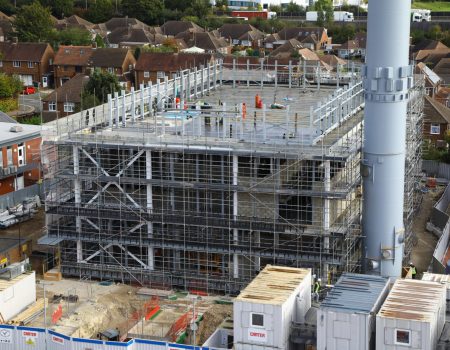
x,y
117,61
32,62
70,61
300,33
436,121
20,146
152,66
65,99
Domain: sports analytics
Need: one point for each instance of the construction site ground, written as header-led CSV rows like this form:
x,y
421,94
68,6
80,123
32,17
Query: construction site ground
x,y
103,306
422,253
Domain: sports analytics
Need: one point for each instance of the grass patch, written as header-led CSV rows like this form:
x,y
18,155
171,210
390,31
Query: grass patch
x,y
433,6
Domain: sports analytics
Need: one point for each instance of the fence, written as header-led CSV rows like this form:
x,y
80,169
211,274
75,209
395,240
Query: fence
x,y
436,169
13,198
24,338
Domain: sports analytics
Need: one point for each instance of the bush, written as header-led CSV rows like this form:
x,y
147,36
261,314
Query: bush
x,y
8,104
34,120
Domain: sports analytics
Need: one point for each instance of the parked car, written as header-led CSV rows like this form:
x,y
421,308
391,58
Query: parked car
x,y
29,90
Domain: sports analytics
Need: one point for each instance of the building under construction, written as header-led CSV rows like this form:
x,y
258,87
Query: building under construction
x,y
194,183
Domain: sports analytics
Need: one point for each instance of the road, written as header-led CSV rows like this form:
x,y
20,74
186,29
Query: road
x,y
30,100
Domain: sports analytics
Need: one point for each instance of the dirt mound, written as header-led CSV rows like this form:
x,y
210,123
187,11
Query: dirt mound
x,y
212,318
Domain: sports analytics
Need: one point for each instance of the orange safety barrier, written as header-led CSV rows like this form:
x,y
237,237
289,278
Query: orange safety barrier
x,y
431,182
244,111
152,312
57,314
199,292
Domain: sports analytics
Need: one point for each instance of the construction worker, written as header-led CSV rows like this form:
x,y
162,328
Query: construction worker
x,y
316,290
413,270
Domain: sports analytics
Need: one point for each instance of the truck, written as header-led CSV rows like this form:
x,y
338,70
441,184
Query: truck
x,y
254,14
419,15
338,16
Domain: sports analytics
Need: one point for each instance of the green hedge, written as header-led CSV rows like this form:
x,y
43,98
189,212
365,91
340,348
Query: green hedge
x,y
8,104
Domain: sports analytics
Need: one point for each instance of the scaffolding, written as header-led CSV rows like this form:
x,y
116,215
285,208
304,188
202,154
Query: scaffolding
x,y
186,184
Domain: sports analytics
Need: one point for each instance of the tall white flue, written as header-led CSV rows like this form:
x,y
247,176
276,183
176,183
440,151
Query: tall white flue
x,y
388,77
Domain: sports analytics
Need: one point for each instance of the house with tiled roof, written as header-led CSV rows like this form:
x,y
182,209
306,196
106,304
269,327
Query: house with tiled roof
x,y
133,37
242,34
173,28
74,21
119,62
301,33
152,66
70,61
290,49
64,100
32,62
432,80
436,121
349,49
333,61
211,44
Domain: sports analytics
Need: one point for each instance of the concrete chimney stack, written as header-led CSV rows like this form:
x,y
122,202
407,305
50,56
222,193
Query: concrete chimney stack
x,y
387,79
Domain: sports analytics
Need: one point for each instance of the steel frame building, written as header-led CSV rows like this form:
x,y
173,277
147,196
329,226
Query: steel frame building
x,y
168,192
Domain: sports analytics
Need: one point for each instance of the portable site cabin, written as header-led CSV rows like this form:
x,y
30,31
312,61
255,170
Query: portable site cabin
x,y
17,294
346,318
442,279
412,316
264,311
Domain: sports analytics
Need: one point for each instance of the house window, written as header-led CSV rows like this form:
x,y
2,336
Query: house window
x,y
257,320
69,106
111,70
52,106
146,74
435,129
402,337
1,63
30,64
160,75
1,157
9,156
16,64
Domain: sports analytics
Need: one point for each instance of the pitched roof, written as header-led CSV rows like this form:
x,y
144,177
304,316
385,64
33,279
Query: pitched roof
x,y
436,112
430,75
333,60
23,51
428,44
70,91
207,41
5,118
170,62
176,27
361,38
272,38
308,55
108,57
74,19
426,55
287,49
310,39
118,22
126,35
443,67
300,33
73,55
350,45
237,30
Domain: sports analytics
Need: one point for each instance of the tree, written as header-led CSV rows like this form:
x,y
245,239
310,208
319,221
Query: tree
x,y
292,7
60,8
34,23
10,86
325,11
199,8
100,11
179,5
148,11
74,36
101,84
222,4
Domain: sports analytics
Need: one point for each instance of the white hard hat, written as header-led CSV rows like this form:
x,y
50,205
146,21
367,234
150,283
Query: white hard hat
x,y
314,276
319,280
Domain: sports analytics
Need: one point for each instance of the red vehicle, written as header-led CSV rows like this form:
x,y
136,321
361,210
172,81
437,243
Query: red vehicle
x,y
29,90
254,14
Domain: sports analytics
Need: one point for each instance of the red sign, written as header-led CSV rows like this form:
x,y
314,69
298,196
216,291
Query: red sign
x,y
57,314
257,335
57,340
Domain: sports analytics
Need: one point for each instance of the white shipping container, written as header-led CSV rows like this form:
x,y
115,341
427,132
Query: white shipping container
x,y
264,311
346,318
412,316
17,294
